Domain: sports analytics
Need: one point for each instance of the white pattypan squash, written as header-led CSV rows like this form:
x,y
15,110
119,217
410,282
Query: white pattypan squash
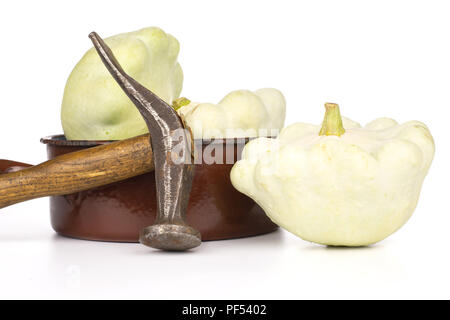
x,y
342,184
242,113
94,107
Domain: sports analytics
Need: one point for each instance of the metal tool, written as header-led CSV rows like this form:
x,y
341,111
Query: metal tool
x,y
174,172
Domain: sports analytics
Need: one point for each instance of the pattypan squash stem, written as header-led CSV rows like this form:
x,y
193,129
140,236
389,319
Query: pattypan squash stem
x,y
180,102
332,122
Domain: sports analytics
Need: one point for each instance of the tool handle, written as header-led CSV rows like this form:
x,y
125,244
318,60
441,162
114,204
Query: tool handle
x,y
77,171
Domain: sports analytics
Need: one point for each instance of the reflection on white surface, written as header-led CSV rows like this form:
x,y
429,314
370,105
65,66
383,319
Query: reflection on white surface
x,y
37,263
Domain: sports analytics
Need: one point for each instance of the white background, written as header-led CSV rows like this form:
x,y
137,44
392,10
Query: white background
x,y
374,58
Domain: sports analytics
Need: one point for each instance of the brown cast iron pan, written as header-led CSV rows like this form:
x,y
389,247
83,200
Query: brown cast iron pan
x,y
118,211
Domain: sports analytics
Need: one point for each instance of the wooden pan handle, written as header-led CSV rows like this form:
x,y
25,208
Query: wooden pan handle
x,y
78,171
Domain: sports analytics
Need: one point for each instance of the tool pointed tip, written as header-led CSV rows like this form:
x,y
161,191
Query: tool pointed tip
x,y
93,34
